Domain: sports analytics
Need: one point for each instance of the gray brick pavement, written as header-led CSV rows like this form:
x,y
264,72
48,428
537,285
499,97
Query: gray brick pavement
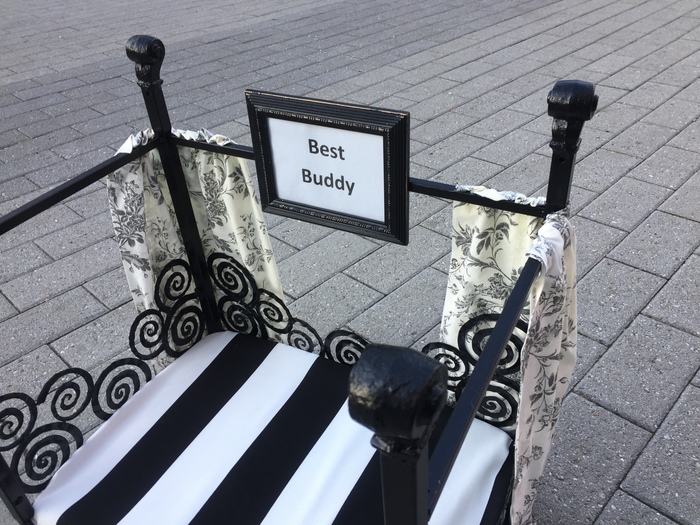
x,y
474,76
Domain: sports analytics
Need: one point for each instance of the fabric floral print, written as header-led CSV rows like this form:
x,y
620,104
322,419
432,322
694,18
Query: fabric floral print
x,y
489,250
226,210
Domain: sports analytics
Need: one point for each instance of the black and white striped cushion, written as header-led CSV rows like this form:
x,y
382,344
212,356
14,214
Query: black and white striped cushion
x,y
246,431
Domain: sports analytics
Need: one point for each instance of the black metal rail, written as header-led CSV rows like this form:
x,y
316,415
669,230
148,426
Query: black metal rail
x,y
235,150
450,191
70,187
464,412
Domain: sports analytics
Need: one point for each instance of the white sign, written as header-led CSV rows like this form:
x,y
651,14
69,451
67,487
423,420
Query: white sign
x,y
329,168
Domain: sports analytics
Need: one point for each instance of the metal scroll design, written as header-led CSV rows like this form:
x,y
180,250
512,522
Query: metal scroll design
x,y
500,406
247,308
37,436
344,347
177,321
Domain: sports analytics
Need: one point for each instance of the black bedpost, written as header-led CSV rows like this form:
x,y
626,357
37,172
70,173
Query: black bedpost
x,y
571,103
147,53
399,393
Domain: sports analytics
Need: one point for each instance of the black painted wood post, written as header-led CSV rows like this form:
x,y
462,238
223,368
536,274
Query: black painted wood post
x,y
147,53
571,103
399,393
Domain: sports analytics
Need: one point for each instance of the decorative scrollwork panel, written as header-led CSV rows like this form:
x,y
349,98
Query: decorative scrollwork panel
x,y
246,308
18,415
37,448
344,347
117,384
69,392
500,405
178,321
38,436
475,333
42,452
458,368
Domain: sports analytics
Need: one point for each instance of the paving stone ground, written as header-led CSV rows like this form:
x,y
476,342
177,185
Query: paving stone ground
x,y
474,75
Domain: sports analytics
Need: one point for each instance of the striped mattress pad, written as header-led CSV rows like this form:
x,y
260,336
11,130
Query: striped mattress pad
x,y
248,431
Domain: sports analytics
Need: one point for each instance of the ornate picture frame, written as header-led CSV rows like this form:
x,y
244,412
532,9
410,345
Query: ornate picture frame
x,y
331,163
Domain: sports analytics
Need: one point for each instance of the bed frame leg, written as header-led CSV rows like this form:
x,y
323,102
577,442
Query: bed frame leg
x,y
13,496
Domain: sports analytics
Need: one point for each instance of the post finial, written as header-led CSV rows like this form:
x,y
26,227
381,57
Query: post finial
x,y
147,53
571,103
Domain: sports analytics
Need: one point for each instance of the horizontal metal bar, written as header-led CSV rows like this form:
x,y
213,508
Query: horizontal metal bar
x,y
452,437
425,187
70,187
52,197
449,191
235,150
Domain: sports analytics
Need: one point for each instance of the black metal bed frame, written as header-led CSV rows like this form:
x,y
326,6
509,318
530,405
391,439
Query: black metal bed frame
x,y
401,438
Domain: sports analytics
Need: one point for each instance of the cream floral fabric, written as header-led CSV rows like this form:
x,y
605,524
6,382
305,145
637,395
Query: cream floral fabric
x,y
548,358
226,209
489,249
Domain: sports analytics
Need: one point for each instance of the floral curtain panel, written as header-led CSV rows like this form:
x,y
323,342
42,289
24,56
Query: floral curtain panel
x,y
227,213
489,249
